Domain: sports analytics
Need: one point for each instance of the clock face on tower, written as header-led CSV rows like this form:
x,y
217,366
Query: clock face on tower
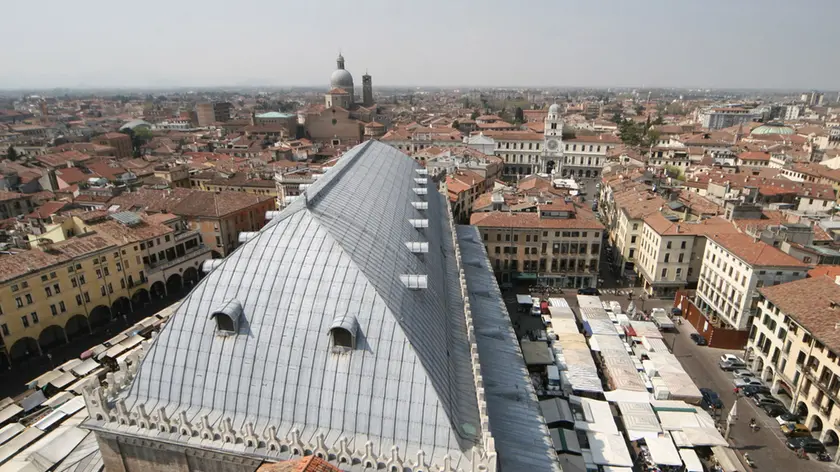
x,y
552,144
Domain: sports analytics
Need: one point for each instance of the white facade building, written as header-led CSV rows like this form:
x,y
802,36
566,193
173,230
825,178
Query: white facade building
x,y
734,266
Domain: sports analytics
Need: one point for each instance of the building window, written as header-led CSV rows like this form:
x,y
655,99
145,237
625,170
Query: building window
x,y
5,329
668,246
61,307
635,226
25,321
79,300
54,310
98,273
28,299
15,288
105,271
102,290
680,258
667,257
74,283
57,288
18,302
81,279
87,297
48,291
110,288
664,273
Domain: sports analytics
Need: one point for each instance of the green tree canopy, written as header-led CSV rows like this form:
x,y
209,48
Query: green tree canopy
x,y
12,154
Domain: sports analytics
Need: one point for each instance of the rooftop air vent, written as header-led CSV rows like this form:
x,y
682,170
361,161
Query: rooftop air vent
x,y
420,205
421,191
210,264
417,247
343,332
415,282
270,215
421,181
228,318
246,236
419,223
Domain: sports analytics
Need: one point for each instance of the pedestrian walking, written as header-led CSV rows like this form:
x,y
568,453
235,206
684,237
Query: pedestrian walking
x,y
736,391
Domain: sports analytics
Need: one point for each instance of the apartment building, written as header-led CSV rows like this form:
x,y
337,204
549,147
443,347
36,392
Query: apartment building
x,y
218,216
671,251
121,143
559,244
209,113
719,118
734,266
100,266
462,188
794,345
625,213
519,150
13,204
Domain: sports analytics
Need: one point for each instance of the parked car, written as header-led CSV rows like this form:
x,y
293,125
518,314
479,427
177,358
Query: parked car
x,y
588,291
698,339
743,374
711,399
764,399
731,362
741,383
788,418
810,444
752,390
793,430
773,409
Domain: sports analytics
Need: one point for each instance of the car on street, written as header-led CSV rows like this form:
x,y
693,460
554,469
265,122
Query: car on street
x,y
752,390
788,418
741,383
743,374
774,410
711,399
810,444
731,362
588,291
764,399
793,430
698,339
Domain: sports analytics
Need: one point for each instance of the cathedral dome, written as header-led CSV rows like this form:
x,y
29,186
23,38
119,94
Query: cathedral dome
x,y
772,128
554,109
341,78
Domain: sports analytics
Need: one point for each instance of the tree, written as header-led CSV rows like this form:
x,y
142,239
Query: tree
x,y
474,115
518,116
456,124
674,172
12,154
616,118
659,120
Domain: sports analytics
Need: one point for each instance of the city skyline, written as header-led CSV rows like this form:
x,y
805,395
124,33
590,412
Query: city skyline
x,y
586,44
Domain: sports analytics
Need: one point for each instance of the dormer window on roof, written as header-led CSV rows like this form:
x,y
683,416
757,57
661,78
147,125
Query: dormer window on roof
x,y
246,236
343,332
421,191
419,223
420,205
421,181
228,318
415,282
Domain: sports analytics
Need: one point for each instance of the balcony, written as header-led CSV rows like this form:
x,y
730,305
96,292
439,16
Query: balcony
x,y
186,234
158,266
834,395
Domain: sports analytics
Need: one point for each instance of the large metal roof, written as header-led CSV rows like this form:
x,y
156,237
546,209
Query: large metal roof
x,y
336,253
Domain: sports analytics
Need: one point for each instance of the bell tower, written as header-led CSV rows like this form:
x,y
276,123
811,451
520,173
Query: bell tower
x,y
552,155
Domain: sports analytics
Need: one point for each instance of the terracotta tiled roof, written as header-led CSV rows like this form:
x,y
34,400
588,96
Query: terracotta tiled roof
x,y
185,202
47,209
6,196
513,135
596,139
755,253
62,158
304,464
26,262
830,271
812,303
498,219
754,156
665,227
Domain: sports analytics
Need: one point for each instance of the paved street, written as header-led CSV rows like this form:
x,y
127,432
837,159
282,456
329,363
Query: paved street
x,y
766,447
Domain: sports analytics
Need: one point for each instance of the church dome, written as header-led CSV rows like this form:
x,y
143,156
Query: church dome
x,y
554,109
341,78
772,128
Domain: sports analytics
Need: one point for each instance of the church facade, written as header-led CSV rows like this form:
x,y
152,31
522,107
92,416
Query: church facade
x,y
339,121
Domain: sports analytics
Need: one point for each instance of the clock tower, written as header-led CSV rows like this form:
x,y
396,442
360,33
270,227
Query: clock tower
x,y
552,155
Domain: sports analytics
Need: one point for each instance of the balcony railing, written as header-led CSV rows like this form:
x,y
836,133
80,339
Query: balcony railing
x,y
186,234
159,266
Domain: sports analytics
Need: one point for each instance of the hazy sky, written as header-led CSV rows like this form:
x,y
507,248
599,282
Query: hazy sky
x,y
599,43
